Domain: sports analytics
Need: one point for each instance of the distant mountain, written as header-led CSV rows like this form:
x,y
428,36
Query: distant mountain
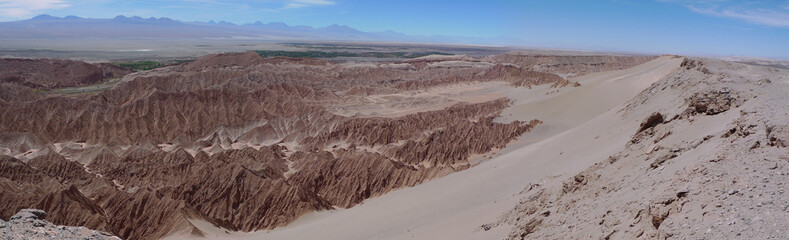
x,y
46,26
122,27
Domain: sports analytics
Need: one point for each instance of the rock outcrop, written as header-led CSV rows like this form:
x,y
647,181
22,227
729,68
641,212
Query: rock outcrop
x,y
30,224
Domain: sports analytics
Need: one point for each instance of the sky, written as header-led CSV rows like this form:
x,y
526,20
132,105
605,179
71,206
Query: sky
x,y
688,27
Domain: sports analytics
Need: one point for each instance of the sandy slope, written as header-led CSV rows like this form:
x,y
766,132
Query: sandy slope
x,y
599,92
580,130
715,168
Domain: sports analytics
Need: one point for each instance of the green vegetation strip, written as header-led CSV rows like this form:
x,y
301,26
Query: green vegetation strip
x,y
320,54
326,46
139,65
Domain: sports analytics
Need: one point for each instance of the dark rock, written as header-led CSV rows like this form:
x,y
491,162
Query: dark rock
x,y
663,158
29,214
651,121
712,103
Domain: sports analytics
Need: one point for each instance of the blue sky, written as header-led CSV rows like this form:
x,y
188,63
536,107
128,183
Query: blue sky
x,y
691,27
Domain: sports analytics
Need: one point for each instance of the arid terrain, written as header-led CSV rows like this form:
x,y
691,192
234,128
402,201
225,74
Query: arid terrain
x,y
244,143
679,147
515,145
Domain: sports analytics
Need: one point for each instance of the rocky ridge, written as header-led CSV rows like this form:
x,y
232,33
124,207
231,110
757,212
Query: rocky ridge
x,y
709,166
569,65
30,224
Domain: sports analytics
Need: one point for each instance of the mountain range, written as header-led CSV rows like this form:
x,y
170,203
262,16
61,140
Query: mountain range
x,y
46,26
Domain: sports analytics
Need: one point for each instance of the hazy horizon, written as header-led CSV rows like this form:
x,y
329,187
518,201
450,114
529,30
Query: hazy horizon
x,y
685,27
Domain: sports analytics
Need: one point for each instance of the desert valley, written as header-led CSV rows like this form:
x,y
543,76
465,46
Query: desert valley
x,y
319,138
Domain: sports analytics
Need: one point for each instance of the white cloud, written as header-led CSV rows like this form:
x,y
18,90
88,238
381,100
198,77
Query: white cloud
x,y
775,18
306,3
27,8
769,13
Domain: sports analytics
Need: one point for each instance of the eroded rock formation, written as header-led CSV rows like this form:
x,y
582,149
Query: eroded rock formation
x,y
52,73
239,141
570,65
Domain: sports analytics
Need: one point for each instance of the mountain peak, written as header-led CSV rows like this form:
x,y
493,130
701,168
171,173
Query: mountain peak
x,y
339,29
44,17
137,19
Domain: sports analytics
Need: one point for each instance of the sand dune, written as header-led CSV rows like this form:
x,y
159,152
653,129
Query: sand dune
x,y
584,128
